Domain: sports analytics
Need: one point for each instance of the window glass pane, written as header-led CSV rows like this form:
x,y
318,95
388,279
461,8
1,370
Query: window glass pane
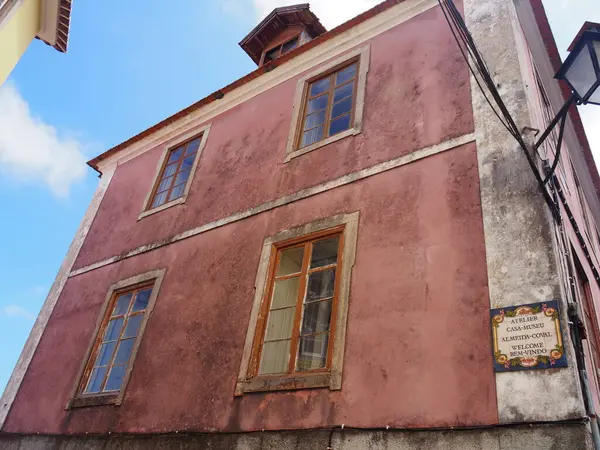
x,y
187,163
596,95
312,120
324,252
164,184
124,351
285,293
96,379
289,46
317,317
581,74
177,192
192,147
159,199
320,86
317,104
312,352
320,285
105,354
113,330
122,305
141,300
311,136
345,74
115,379
175,155
280,324
181,177
341,108
275,357
133,325
170,170
338,125
290,261
272,54
343,92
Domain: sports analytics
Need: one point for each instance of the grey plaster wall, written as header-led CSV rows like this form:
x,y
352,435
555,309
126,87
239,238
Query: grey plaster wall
x,y
518,229
572,437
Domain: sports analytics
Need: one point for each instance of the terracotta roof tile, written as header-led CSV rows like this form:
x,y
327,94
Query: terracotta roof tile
x,y
247,78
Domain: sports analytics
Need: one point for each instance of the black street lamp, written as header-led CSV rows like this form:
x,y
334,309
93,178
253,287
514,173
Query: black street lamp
x,y
581,71
581,68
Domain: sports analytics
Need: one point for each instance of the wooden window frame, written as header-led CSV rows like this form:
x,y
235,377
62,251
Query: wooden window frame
x,y
331,377
147,209
298,36
331,75
78,398
261,326
360,55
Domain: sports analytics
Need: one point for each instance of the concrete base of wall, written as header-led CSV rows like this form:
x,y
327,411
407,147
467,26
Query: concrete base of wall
x,y
555,437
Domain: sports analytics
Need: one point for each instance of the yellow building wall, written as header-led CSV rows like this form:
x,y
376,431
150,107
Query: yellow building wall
x,y
22,25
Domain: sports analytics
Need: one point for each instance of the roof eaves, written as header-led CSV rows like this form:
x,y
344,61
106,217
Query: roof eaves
x,y
377,9
63,24
266,20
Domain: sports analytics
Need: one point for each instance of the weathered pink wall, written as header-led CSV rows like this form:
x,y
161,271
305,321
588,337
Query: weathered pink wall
x,y
417,349
417,352
417,95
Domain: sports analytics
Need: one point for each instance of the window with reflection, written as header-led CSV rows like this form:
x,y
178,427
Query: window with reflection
x,y
296,334
112,353
329,105
282,49
175,173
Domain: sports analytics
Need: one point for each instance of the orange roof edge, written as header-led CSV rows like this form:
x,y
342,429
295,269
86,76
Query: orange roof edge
x,y
385,5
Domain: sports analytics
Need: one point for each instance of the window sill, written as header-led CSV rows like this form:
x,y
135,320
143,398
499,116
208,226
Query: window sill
x,y
149,212
336,137
287,383
95,400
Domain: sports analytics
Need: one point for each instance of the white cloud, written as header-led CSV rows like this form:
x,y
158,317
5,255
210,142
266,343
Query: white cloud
x,y
32,150
16,311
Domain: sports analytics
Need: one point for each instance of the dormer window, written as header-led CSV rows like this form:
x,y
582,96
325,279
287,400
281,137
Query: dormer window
x,y
282,49
282,31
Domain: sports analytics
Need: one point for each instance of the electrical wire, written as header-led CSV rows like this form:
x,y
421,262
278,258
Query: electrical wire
x,y
457,26
569,214
472,70
483,78
479,69
561,133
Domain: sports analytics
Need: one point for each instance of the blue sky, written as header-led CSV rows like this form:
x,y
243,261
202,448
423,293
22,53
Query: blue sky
x,y
130,64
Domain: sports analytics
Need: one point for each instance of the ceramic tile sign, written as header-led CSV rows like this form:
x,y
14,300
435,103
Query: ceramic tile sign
x,y
527,337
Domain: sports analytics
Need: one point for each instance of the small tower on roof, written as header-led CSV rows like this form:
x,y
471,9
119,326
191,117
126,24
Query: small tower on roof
x,y
280,32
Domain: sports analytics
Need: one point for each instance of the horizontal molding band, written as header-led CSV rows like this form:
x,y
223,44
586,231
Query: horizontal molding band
x,y
309,60
287,199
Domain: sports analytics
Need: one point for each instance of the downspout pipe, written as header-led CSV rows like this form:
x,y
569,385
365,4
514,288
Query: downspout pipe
x,y
591,411
574,326
579,356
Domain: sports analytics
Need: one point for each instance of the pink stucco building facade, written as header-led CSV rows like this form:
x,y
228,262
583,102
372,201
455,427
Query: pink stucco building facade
x,y
438,220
